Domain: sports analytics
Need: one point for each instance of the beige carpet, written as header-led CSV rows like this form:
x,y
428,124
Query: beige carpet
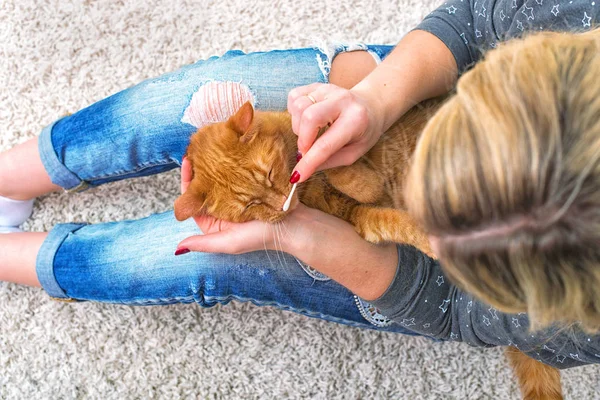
x,y
57,56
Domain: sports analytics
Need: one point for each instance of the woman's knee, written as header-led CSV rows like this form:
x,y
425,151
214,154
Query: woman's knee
x,y
349,68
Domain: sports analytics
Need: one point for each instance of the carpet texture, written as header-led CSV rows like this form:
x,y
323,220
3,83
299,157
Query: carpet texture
x,y
57,56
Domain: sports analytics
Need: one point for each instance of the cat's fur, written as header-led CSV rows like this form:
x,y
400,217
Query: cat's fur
x,y
241,171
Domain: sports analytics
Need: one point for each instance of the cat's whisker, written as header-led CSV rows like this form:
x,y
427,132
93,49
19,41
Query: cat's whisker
x,y
287,230
281,240
278,245
265,244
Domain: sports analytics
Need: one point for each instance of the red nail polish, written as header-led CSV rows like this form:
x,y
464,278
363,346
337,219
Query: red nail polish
x,y
181,251
295,177
298,156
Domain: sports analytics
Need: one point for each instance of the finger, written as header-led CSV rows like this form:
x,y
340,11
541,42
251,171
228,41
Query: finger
x,y
327,145
298,102
347,155
229,241
313,119
331,100
186,174
219,242
302,91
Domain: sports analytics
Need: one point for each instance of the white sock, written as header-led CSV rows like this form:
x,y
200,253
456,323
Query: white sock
x,y
14,212
10,229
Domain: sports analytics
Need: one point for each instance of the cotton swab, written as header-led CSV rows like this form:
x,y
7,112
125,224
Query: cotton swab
x,y
287,203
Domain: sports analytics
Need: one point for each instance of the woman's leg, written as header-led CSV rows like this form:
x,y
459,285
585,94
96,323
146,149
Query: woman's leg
x,y
18,254
145,129
133,262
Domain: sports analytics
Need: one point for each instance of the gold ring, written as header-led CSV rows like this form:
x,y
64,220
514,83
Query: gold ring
x,y
311,99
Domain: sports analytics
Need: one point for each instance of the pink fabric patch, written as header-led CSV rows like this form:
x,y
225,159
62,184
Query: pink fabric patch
x,y
216,102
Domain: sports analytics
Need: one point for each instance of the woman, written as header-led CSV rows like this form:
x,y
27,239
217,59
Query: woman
x,y
145,130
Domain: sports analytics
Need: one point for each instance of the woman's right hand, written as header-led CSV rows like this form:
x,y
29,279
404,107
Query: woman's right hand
x,y
354,121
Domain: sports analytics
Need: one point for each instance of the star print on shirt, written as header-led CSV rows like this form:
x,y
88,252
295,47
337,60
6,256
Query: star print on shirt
x,y
453,336
516,323
482,12
464,38
451,9
502,16
469,307
408,322
586,20
477,33
440,280
427,325
549,349
493,312
561,359
520,26
444,305
514,4
540,2
486,321
530,10
575,357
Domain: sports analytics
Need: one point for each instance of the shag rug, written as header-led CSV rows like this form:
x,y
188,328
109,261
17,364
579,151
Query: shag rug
x,y
57,56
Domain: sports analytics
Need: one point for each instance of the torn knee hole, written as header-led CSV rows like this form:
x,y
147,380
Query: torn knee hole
x,y
216,102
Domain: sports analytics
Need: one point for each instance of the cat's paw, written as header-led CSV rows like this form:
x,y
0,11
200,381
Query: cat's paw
x,y
378,225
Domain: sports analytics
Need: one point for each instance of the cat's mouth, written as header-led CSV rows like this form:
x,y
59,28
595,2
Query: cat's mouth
x,y
279,215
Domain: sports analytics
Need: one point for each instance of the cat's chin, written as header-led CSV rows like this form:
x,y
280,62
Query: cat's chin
x,y
273,219
278,217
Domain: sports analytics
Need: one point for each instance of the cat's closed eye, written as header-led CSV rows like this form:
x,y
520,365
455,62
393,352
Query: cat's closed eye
x,y
254,202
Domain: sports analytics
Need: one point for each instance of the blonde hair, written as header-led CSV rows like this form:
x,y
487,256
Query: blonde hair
x,y
506,176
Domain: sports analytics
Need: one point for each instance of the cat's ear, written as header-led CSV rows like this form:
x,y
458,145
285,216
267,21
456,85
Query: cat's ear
x,y
189,204
241,121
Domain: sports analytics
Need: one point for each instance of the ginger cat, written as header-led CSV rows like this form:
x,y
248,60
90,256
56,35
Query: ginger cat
x,y
245,164
243,167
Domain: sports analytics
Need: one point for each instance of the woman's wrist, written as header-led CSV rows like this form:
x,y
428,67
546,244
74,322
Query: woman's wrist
x,y
419,68
332,247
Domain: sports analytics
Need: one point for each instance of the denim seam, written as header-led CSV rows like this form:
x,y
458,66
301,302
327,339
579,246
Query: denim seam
x,y
47,254
59,174
191,299
134,171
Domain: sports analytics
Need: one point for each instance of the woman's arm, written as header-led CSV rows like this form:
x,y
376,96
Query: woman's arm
x,y
322,241
420,67
332,247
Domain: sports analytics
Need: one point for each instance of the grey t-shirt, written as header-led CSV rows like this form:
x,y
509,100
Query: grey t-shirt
x,y
422,300
420,297
469,27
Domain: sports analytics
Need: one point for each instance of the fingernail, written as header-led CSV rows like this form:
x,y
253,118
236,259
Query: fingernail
x,y
298,156
181,251
295,177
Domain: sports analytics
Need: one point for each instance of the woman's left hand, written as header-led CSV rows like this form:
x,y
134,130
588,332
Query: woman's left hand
x,y
364,268
222,236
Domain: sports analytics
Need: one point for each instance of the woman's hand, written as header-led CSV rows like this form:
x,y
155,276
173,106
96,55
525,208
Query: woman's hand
x,y
353,119
223,236
364,268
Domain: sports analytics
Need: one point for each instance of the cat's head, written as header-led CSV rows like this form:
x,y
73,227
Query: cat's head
x,y
241,168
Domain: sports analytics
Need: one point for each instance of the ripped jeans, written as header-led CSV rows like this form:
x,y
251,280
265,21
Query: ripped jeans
x,y
145,130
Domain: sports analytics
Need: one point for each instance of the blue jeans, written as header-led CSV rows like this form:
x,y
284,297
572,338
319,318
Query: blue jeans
x,y
145,130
